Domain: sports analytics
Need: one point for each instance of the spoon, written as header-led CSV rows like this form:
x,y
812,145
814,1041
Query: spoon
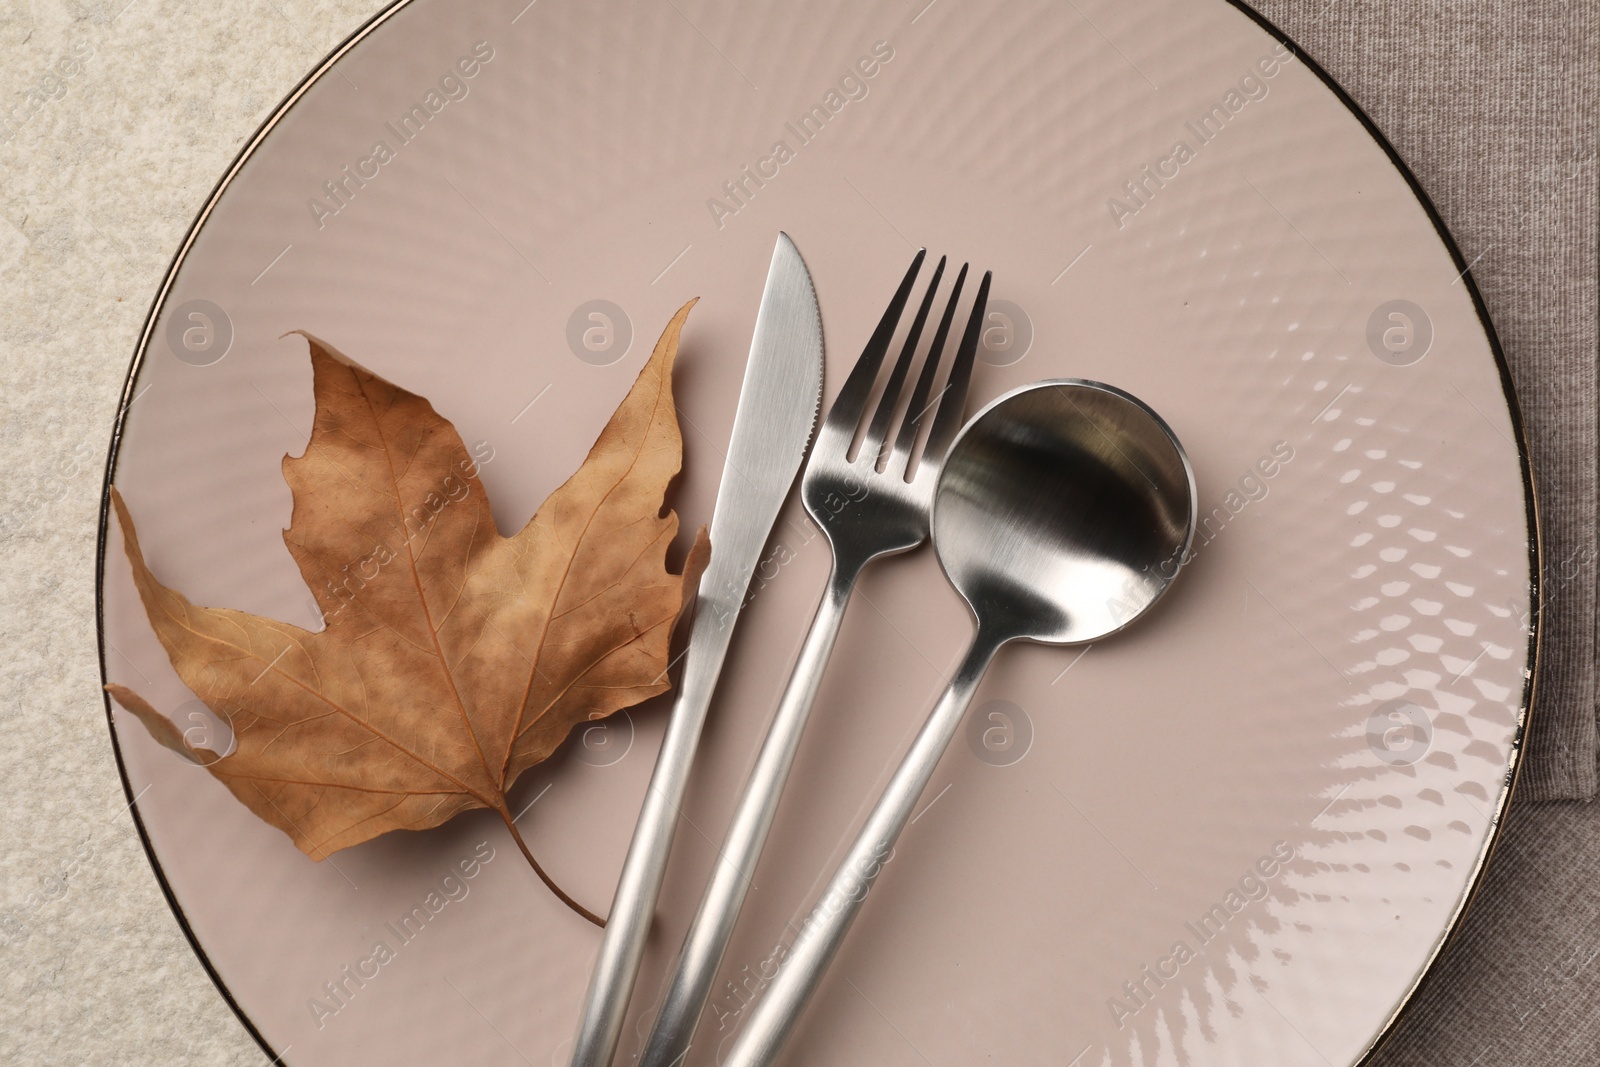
x,y
1064,511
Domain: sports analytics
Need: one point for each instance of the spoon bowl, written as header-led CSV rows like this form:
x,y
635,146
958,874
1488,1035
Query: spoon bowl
x,y
1063,512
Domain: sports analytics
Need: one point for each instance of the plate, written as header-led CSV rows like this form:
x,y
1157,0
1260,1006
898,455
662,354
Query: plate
x,y
1237,834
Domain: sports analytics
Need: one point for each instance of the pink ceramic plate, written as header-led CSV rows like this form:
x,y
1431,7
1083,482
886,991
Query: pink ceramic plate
x,y
1238,834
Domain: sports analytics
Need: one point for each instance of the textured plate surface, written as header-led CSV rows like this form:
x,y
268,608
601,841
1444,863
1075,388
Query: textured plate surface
x,y
1237,834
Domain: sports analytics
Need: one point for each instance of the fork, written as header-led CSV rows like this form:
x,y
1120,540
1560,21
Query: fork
x,y
868,505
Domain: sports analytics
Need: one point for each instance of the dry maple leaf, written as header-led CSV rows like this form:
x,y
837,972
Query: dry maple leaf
x,y
452,659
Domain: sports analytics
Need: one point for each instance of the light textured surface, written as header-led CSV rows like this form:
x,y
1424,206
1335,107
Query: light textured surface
x,y
99,186
1492,105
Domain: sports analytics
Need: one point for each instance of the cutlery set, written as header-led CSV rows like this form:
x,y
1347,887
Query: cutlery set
x,y
1061,512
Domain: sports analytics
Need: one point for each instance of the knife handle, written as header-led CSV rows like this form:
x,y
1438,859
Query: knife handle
x,y
605,1004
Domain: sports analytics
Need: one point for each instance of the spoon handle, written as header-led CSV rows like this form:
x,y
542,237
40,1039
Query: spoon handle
x,y
780,1005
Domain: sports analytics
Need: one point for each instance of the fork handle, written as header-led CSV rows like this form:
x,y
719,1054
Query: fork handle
x,y
781,1004
708,936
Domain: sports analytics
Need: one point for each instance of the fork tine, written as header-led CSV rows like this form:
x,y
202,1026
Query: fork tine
x,y
852,399
918,408
878,432
954,400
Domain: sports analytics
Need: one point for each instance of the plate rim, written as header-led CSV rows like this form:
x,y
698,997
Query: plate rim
x,y
1532,511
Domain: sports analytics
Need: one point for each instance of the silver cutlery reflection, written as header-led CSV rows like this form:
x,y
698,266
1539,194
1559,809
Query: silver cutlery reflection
x,y
1064,511
870,506
771,427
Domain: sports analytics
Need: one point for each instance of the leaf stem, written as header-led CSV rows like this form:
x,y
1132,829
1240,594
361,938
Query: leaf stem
x,y
505,816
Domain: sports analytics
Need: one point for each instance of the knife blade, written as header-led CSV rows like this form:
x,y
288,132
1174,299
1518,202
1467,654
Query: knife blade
x,y
772,427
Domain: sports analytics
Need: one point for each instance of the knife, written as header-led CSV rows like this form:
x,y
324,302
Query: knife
x,y
772,428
